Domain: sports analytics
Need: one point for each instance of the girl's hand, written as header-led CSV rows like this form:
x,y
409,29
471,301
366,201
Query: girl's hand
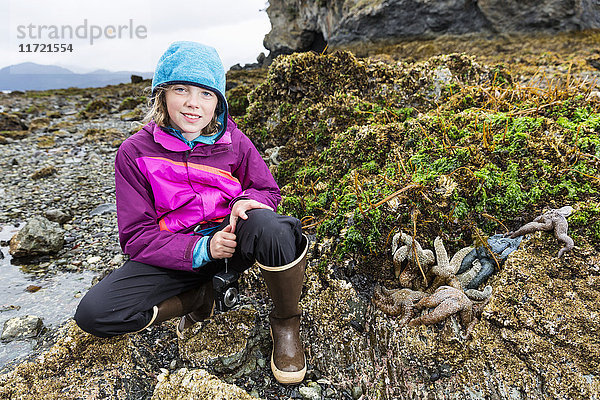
x,y
222,244
239,210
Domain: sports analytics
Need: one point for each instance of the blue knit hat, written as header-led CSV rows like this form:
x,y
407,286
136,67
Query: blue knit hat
x,y
193,64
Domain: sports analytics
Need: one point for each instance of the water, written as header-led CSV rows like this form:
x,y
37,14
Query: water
x,y
55,302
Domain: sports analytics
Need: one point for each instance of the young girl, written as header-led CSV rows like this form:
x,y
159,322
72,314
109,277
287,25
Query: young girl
x,y
192,192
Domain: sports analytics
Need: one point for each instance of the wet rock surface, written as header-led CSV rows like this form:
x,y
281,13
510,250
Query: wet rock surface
x,y
25,327
81,366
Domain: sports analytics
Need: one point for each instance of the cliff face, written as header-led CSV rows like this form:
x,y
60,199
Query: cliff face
x,y
301,25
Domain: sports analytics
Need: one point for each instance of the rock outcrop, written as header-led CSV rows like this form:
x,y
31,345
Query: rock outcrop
x,y
311,25
81,366
538,337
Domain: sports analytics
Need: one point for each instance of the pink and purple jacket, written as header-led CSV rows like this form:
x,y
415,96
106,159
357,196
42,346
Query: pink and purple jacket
x,y
164,190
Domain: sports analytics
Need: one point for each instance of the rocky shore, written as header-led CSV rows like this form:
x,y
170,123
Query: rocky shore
x,y
363,149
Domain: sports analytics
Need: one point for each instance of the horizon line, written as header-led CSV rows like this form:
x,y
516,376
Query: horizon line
x,y
69,68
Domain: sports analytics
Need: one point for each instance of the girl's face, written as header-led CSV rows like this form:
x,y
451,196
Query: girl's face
x,y
190,108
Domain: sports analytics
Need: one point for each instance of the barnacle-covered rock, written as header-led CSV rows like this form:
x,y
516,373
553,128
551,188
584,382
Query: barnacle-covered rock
x,y
223,343
187,384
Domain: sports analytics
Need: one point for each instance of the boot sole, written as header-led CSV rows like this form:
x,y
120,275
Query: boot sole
x,y
179,330
286,377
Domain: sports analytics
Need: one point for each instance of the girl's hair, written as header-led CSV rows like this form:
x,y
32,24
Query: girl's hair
x,y
158,111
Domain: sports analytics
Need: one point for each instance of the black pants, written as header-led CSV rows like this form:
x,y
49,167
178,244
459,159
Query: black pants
x,y
122,302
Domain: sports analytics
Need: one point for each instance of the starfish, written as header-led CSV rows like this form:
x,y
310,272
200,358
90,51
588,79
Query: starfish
x,y
552,219
503,246
487,270
500,245
411,251
482,262
466,277
397,302
445,301
479,295
445,268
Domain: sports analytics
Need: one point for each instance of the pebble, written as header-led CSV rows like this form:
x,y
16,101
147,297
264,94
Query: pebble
x,y
356,392
32,288
104,209
117,260
94,260
311,392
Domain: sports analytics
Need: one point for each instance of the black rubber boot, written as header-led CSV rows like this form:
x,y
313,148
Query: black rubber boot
x,y
192,306
205,305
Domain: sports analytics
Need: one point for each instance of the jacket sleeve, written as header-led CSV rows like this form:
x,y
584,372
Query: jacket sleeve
x,y
254,175
139,232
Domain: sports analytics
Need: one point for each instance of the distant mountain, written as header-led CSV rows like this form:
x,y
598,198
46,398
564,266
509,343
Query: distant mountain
x,y
31,76
33,68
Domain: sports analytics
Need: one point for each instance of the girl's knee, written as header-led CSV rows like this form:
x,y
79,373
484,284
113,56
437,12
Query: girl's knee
x,y
87,316
272,225
274,239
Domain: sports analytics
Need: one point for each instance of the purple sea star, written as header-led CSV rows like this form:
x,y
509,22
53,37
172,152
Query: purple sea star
x,y
553,219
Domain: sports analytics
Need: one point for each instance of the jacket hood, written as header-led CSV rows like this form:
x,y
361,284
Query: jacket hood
x,y
194,64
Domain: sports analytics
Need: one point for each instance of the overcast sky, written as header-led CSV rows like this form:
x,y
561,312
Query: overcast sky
x,y
129,34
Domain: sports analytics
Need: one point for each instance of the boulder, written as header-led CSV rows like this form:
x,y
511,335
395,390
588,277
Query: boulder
x,y
25,327
44,172
224,343
39,123
38,237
